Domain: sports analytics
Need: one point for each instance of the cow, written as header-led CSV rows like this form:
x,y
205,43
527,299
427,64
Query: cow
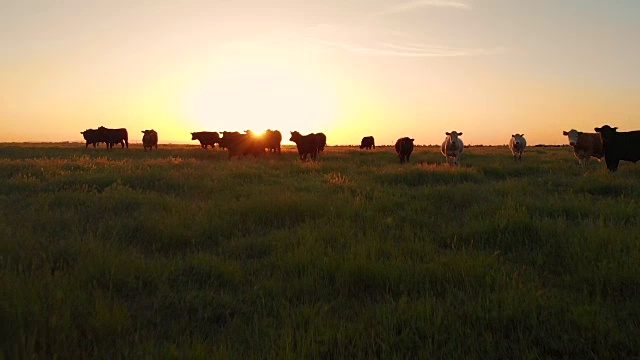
x,y
113,136
619,146
149,139
585,145
517,143
206,138
241,144
367,142
404,148
91,136
226,138
452,147
273,138
307,144
322,141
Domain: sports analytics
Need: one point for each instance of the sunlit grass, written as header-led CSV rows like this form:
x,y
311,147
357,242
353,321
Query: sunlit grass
x,y
182,253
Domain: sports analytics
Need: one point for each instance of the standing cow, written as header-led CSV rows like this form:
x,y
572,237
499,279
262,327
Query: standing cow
x,y
517,143
307,145
149,139
452,147
367,142
91,136
206,138
113,136
322,141
619,146
404,148
273,138
585,145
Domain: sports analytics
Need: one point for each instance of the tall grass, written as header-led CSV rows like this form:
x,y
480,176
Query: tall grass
x,y
181,253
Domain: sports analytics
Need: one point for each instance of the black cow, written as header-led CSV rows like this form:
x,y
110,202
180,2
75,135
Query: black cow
x,y
206,138
322,141
404,147
149,139
273,138
113,136
242,144
367,142
619,146
91,136
306,144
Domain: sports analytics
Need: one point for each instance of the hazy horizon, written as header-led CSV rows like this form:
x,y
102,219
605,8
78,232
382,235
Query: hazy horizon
x,y
348,68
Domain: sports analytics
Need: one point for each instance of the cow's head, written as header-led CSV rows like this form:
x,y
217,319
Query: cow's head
x,y
294,136
573,136
453,135
193,136
606,133
518,138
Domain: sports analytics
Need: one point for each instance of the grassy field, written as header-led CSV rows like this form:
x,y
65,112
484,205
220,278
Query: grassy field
x,y
179,253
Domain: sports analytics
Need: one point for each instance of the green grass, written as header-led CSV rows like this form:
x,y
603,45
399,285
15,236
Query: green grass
x,y
180,253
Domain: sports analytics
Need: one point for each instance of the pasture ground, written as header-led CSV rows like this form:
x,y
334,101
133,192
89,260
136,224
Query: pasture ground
x,y
179,253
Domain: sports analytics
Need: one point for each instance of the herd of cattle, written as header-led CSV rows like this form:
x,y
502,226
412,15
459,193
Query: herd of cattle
x,y
605,143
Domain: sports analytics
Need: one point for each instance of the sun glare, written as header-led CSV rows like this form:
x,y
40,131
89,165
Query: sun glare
x,y
260,96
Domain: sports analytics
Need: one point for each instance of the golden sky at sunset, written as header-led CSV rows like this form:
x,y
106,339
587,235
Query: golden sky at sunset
x,y
348,68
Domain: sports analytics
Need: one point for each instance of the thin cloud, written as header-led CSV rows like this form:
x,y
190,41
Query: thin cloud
x,y
418,4
400,50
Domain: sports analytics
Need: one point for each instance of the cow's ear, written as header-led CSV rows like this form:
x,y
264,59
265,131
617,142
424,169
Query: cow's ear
x,y
447,133
597,129
615,128
521,134
411,139
459,134
142,131
565,133
513,135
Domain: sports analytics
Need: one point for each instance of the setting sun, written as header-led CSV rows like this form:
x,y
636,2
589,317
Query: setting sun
x,y
259,96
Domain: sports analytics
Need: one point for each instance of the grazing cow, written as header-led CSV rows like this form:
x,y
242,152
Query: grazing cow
x,y
585,145
452,147
404,148
367,142
114,136
149,139
306,144
206,138
91,136
517,143
322,141
619,146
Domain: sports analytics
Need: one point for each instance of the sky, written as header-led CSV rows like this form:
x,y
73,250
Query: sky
x,y
348,68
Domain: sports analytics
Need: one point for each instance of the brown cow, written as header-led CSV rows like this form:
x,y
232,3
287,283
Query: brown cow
x,y
404,148
307,145
149,139
206,138
585,145
367,142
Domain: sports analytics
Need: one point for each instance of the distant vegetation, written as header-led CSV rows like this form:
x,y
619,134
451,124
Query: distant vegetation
x,y
181,253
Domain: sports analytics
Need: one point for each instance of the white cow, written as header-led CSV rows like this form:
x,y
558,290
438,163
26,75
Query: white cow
x,y
452,147
517,145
